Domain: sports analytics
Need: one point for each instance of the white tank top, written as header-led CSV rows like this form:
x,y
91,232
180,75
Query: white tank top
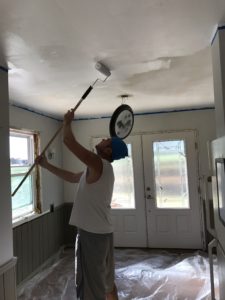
x,y
91,209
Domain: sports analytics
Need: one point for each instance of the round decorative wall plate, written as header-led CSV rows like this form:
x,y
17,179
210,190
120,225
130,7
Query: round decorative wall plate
x,y
121,122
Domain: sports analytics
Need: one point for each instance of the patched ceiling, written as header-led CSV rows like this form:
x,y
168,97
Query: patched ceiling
x,y
158,51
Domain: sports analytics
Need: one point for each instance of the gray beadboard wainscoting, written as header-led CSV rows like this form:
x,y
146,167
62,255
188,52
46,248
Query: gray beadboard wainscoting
x,y
39,239
8,280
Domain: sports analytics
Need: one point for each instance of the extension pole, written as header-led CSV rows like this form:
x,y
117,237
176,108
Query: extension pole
x,y
54,136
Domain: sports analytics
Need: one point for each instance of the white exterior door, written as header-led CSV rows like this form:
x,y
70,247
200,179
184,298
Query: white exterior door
x,y
128,203
171,190
156,203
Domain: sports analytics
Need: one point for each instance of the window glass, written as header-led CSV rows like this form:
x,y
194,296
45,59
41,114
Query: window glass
x,y
19,150
171,177
123,194
21,158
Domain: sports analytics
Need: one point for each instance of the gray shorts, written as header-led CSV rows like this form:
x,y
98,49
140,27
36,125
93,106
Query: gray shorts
x,y
94,265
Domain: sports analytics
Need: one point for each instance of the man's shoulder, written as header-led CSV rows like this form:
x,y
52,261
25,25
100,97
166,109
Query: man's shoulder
x,y
106,163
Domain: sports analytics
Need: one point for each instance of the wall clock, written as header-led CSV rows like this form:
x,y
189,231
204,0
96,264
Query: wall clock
x,y
121,122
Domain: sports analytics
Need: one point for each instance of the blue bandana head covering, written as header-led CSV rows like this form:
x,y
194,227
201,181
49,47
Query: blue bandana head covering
x,y
119,148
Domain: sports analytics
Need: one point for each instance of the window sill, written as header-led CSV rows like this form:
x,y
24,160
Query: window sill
x,y
27,218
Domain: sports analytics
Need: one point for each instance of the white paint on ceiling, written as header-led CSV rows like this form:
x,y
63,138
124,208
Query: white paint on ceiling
x,y
157,50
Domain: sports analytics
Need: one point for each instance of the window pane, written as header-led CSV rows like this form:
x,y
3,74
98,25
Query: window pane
x,y
24,195
19,170
19,153
171,181
123,194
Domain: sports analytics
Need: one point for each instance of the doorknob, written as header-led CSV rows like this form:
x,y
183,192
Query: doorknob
x,y
149,197
148,188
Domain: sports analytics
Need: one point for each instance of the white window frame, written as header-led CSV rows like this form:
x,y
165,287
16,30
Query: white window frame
x,y
29,209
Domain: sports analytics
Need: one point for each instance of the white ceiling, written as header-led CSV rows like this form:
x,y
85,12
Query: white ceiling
x,y
157,50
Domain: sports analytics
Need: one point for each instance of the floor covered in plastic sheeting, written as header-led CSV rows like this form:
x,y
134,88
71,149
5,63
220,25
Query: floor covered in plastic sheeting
x,y
141,274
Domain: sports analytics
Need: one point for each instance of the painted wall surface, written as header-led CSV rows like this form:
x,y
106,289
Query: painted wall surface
x,y
6,248
203,121
51,186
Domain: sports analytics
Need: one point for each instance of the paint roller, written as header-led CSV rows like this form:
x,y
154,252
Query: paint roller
x,y
102,69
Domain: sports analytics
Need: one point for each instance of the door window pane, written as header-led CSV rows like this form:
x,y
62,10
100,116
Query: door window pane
x,y
123,194
171,180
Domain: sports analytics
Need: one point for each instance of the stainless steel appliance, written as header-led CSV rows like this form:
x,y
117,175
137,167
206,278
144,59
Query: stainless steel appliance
x,y
216,215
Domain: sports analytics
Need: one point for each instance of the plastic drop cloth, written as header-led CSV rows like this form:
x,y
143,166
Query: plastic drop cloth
x,y
141,274
161,275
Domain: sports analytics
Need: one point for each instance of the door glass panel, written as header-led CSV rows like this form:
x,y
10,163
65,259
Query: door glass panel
x,y
171,180
123,193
